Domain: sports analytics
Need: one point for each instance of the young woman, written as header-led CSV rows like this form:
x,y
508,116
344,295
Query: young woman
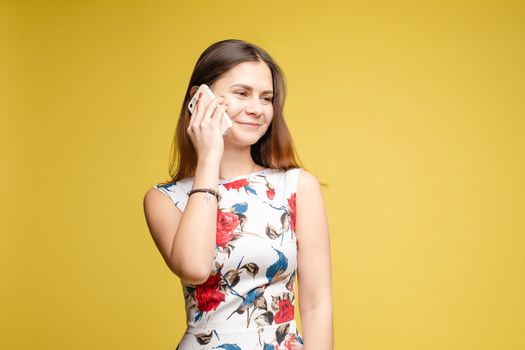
x,y
257,220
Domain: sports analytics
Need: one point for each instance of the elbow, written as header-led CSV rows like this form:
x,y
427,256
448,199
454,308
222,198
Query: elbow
x,y
194,278
190,274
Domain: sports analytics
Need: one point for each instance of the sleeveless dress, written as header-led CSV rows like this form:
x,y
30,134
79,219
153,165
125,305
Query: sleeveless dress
x,y
248,300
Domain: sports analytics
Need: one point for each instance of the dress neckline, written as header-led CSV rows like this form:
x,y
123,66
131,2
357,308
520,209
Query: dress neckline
x,y
243,176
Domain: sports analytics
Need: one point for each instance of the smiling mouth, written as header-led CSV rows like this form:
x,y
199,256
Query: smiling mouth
x,y
249,124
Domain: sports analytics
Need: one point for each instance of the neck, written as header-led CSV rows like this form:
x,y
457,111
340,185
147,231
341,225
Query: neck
x,y
237,161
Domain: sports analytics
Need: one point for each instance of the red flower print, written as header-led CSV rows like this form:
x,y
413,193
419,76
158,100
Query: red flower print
x,y
291,204
292,344
236,184
207,295
285,313
226,223
270,193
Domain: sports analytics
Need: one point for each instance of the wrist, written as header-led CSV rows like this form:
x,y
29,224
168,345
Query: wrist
x,y
207,173
213,191
213,161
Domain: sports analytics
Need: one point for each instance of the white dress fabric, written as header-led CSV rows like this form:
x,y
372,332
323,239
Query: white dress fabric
x,y
248,300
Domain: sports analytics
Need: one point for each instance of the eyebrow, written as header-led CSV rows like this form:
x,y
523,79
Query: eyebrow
x,y
247,87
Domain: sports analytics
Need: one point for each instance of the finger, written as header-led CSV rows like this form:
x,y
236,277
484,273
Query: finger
x,y
211,107
219,113
200,109
192,115
196,110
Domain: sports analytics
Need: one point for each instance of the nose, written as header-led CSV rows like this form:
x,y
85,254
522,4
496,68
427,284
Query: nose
x,y
254,107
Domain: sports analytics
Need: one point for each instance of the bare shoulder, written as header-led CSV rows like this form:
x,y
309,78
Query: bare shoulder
x,y
307,182
311,219
310,198
155,200
162,219
154,195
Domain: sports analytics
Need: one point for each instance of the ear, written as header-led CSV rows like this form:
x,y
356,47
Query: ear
x,y
193,90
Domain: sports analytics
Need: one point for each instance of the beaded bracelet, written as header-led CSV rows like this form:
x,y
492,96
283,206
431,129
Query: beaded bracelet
x,y
209,190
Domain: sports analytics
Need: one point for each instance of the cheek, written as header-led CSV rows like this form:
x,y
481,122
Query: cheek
x,y
269,113
236,107
234,103
233,110
228,99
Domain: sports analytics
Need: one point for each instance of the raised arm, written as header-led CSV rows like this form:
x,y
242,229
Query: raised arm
x,y
186,240
313,265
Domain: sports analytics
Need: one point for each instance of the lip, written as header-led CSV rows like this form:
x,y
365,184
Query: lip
x,y
249,124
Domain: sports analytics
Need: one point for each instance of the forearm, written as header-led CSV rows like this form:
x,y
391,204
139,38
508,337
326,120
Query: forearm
x,y
194,244
317,327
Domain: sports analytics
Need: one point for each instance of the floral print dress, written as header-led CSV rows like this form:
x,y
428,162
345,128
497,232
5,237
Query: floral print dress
x,y
248,300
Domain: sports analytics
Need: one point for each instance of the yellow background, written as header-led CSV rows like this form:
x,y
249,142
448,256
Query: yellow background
x,y
411,111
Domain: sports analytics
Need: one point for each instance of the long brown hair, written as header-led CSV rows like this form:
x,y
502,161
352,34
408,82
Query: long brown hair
x,y
274,149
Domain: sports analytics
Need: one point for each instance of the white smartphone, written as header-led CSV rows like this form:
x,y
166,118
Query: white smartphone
x,y
207,96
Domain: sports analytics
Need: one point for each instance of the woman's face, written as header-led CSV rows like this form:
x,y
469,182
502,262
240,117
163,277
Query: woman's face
x,y
248,90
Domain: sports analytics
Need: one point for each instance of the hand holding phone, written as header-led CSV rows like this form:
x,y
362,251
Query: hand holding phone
x,y
207,96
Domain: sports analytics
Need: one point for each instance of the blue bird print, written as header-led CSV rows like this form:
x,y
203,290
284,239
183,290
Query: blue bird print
x,y
274,273
198,315
249,189
249,301
228,347
240,207
168,185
